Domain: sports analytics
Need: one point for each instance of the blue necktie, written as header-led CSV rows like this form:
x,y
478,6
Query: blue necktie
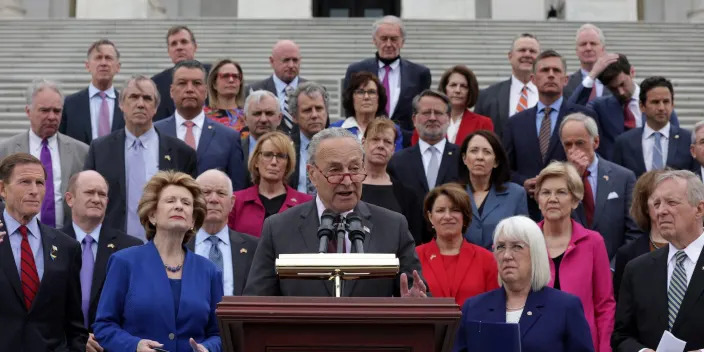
x,y
136,179
215,255
657,152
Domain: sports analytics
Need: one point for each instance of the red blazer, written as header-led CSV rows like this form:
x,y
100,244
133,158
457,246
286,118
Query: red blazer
x,y
247,215
470,123
476,271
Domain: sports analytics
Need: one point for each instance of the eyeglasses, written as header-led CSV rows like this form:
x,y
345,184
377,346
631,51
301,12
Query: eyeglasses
x,y
362,92
228,76
267,156
335,178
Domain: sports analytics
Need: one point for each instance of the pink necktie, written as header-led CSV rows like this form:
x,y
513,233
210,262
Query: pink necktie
x,y
103,116
385,83
190,138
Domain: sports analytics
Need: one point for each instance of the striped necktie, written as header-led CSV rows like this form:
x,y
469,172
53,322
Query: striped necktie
x,y
544,134
678,286
523,100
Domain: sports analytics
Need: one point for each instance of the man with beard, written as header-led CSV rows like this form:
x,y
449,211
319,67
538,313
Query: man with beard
x,y
518,93
433,154
619,112
658,143
401,78
61,155
531,138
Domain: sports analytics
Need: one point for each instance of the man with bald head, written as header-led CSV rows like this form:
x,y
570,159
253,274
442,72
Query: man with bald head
x,y
285,60
231,251
87,196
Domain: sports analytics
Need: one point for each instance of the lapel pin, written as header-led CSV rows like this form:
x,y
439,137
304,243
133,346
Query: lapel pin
x,y
210,127
677,136
294,200
167,157
606,177
54,249
110,245
529,313
449,153
432,256
243,250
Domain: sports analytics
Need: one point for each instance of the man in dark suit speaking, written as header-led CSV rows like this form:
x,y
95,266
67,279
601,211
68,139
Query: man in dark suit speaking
x,y
336,168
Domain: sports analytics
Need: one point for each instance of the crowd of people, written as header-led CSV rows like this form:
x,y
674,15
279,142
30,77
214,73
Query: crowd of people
x,y
570,204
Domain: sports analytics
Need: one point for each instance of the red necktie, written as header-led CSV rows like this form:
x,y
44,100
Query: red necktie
x,y
190,138
588,199
29,276
629,121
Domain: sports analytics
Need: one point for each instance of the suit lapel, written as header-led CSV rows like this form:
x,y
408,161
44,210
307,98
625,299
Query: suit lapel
x,y
603,187
448,156
531,311
50,250
416,163
118,120
436,265
363,210
672,145
490,203
528,126
66,151
206,136
465,259
658,275
503,100
119,144
308,227
694,292
555,136
637,145
7,261
239,274
84,113
106,247
166,160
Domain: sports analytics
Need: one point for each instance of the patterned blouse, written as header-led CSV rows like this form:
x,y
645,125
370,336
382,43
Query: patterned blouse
x,y
233,118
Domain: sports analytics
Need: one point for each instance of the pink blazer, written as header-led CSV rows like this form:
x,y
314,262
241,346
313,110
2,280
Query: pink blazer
x,y
585,273
247,215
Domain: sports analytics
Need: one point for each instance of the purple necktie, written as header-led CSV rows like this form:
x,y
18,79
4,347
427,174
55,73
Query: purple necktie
x,y
86,276
48,216
385,83
103,116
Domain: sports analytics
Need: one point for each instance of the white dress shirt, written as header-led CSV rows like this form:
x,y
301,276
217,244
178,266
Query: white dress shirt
x,y
33,237
199,120
648,141
96,102
95,234
599,85
452,129
394,83
588,82
692,251
426,154
202,248
35,148
515,95
321,209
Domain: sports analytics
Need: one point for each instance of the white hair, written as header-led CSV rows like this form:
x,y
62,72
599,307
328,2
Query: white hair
x,y
588,122
220,173
389,20
329,133
256,97
597,30
696,128
522,228
40,85
695,187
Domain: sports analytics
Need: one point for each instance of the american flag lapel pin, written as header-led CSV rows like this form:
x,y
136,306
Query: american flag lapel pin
x,y
432,256
243,251
167,157
53,253
111,246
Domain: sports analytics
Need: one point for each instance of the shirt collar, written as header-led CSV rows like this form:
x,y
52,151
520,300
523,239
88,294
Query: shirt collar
x,y
93,91
11,225
80,234
350,122
199,120
252,140
665,131
304,140
281,85
147,136
555,106
34,139
321,208
440,146
692,251
223,235
517,82
394,65
593,168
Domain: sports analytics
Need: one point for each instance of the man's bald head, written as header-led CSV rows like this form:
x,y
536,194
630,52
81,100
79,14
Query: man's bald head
x,y
87,196
285,59
219,200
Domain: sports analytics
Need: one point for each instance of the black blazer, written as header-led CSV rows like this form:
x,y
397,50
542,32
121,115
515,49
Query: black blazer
x,y
55,320
628,150
75,118
107,156
163,82
493,102
641,312
109,242
625,254
575,81
415,78
296,138
242,247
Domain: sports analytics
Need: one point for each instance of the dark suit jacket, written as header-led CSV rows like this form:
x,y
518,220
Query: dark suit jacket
x,y
628,150
55,320
107,156
552,320
575,81
294,231
109,242
493,102
407,167
76,121
267,84
296,138
641,312
243,247
415,78
523,148
612,218
218,148
163,82
625,254
609,117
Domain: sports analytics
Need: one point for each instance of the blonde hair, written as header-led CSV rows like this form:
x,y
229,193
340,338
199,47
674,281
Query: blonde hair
x,y
283,144
562,169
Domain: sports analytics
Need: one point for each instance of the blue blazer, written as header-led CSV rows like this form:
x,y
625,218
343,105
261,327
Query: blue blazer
x,y
628,150
551,320
609,117
136,302
398,145
218,148
498,205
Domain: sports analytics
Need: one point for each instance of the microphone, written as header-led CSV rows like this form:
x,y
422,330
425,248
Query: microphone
x,y
340,229
356,231
326,229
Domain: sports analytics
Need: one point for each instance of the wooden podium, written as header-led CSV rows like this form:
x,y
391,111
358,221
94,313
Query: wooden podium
x,y
337,324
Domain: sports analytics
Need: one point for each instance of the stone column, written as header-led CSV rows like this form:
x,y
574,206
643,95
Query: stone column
x,y
696,14
120,9
11,9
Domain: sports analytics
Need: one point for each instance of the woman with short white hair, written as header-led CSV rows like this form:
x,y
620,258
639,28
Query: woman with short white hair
x,y
548,319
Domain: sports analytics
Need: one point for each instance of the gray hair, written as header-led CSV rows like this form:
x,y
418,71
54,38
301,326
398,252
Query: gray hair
x,y
696,128
588,122
308,88
137,79
389,20
39,85
524,35
522,228
431,93
329,133
695,187
589,26
220,173
256,97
